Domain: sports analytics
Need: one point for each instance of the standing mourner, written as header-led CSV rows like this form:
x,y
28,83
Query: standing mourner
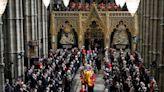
x,y
128,73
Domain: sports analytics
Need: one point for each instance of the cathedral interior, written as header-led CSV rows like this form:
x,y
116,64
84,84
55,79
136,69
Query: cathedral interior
x,y
84,46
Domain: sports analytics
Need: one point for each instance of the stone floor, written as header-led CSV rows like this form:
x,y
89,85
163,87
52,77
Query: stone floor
x,y
99,84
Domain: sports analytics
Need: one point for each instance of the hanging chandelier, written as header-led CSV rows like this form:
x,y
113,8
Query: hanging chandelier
x,y
132,6
46,3
66,3
3,4
120,2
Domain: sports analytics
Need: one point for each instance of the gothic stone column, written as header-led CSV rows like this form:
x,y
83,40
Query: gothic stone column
x,y
1,57
15,42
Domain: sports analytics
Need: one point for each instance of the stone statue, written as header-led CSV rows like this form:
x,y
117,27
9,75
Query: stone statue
x,y
67,36
120,36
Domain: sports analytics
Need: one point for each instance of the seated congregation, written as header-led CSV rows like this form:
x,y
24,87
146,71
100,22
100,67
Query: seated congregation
x,y
123,72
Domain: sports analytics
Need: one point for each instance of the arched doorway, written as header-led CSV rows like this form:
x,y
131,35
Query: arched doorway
x,y
94,37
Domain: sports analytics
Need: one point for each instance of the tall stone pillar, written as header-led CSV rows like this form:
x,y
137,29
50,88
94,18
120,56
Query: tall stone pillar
x,y
47,14
47,35
141,27
27,31
145,36
22,38
40,30
10,53
161,73
19,64
34,30
15,48
148,32
143,30
19,38
147,18
151,30
152,24
45,30
1,57
31,30
161,28
155,27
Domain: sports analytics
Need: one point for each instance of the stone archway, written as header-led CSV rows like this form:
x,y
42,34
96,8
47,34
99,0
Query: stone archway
x,y
94,37
94,30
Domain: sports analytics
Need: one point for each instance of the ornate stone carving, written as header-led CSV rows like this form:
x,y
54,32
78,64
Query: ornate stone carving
x,y
120,36
81,20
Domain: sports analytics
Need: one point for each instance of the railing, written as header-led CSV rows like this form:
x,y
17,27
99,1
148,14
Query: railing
x,y
86,13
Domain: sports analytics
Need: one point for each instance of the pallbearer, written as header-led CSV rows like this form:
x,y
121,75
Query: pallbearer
x,y
88,77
